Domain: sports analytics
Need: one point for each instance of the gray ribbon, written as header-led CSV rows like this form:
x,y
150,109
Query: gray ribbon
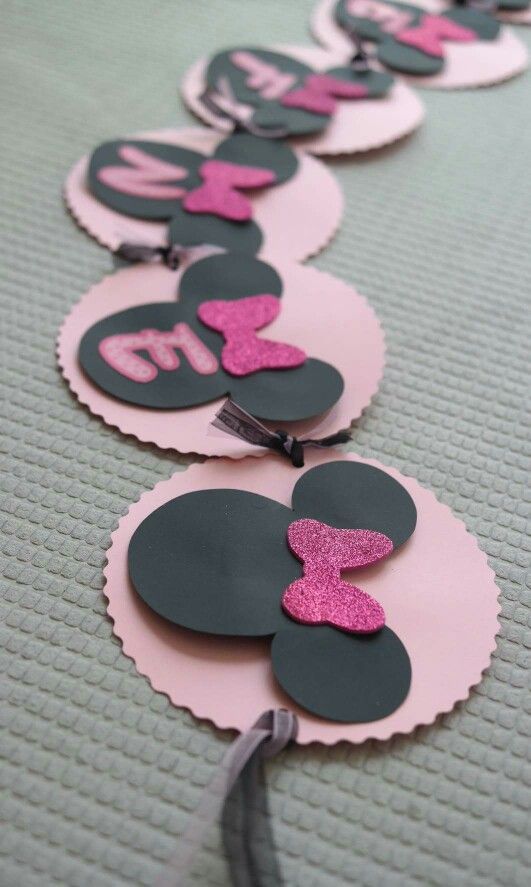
x,y
222,102
174,256
360,61
237,793
141,252
234,420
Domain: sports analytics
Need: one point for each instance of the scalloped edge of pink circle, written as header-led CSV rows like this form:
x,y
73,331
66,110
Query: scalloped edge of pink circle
x,y
148,640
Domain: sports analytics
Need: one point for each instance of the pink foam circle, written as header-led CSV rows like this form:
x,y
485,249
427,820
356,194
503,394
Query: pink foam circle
x,y
298,218
360,125
438,593
321,314
467,65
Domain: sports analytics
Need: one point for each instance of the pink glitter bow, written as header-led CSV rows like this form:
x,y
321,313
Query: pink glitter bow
x,y
319,93
244,352
321,596
218,194
430,33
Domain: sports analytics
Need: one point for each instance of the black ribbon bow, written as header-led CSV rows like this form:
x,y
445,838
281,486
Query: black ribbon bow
x,y
234,420
360,61
141,252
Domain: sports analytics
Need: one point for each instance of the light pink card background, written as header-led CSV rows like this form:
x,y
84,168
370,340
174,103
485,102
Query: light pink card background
x,y
515,18
297,218
356,126
467,65
438,593
320,313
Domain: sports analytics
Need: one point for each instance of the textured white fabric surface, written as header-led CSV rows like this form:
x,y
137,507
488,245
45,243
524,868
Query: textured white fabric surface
x,y
99,773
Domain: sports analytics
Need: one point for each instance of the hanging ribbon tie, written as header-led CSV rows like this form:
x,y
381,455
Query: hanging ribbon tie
x,y
139,252
235,794
360,61
173,256
235,421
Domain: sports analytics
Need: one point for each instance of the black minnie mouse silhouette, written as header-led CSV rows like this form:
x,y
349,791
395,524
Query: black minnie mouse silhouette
x,y
219,562
284,94
409,39
201,197
170,355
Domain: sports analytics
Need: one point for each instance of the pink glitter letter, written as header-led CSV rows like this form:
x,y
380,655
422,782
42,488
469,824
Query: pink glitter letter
x,y
267,80
119,352
388,18
144,176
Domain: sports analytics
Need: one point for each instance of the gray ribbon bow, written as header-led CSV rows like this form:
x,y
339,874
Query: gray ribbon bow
x,y
237,793
234,420
141,252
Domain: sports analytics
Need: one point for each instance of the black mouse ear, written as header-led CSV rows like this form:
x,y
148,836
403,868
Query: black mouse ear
x,y
143,179
289,395
215,561
407,59
191,229
342,677
228,276
484,25
352,495
249,150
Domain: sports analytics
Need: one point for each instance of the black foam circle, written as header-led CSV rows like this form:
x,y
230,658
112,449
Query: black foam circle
x,y
342,677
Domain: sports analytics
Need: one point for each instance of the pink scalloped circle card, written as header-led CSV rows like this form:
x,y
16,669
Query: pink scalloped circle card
x,y
426,42
126,190
437,591
154,352
321,104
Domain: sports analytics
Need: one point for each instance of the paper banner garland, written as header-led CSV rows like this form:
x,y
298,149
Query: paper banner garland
x,y
193,187
316,98
315,595
427,42
155,352
206,555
